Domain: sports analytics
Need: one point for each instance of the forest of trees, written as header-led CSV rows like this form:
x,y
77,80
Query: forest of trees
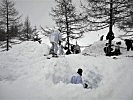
x,y
10,23
9,19
95,15
27,30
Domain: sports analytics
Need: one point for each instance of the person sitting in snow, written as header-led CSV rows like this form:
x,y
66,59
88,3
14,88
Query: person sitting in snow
x,y
61,51
72,48
108,50
76,48
77,78
55,39
117,49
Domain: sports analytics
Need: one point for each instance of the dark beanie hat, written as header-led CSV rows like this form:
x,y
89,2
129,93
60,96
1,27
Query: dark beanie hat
x,y
80,71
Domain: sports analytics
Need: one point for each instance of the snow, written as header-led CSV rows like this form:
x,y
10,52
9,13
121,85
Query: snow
x,y
25,74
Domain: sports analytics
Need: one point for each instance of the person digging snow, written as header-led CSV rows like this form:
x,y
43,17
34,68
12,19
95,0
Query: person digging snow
x,y
55,39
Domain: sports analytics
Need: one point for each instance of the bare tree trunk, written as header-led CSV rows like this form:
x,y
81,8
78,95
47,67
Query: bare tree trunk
x,y
68,49
110,34
7,28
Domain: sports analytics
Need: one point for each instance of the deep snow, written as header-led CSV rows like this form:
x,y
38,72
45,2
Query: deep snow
x,y
25,74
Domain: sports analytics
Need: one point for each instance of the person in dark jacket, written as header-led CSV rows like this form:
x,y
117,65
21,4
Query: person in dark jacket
x,y
117,49
108,50
77,49
129,44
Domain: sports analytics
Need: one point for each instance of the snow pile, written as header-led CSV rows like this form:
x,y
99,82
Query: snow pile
x,y
96,48
57,70
25,74
29,48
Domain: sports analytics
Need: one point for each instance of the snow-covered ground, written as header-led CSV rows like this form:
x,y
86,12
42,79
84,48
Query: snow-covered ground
x,y
25,74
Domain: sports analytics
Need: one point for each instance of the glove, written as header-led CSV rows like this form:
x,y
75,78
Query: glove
x,y
85,85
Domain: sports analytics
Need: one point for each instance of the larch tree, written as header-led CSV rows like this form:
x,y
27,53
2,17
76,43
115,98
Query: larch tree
x,y
8,17
27,29
127,25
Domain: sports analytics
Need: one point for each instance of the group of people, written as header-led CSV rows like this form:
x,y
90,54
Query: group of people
x,y
57,47
74,49
129,44
110,51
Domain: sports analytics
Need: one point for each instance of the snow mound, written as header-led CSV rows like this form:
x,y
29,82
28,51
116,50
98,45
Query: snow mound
x,y
93,78
58,71
95,48
29,48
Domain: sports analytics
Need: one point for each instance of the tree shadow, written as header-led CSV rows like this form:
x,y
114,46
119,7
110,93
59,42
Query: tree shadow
x,y
11,43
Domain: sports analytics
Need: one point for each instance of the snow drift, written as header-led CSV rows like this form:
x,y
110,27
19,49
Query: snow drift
x,y
25,74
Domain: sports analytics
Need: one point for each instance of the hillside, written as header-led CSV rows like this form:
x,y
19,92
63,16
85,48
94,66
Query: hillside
x,y
25,74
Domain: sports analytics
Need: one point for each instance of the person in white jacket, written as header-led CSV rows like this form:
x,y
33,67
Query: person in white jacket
x,y
55,39
77,78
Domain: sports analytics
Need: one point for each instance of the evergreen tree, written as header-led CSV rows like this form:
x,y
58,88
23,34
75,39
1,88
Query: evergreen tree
x,y
13,32
2,35
8,17
127,24
27,29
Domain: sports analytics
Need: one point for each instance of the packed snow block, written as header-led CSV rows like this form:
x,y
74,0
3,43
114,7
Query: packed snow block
x,y
93,79
96,48
59,71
